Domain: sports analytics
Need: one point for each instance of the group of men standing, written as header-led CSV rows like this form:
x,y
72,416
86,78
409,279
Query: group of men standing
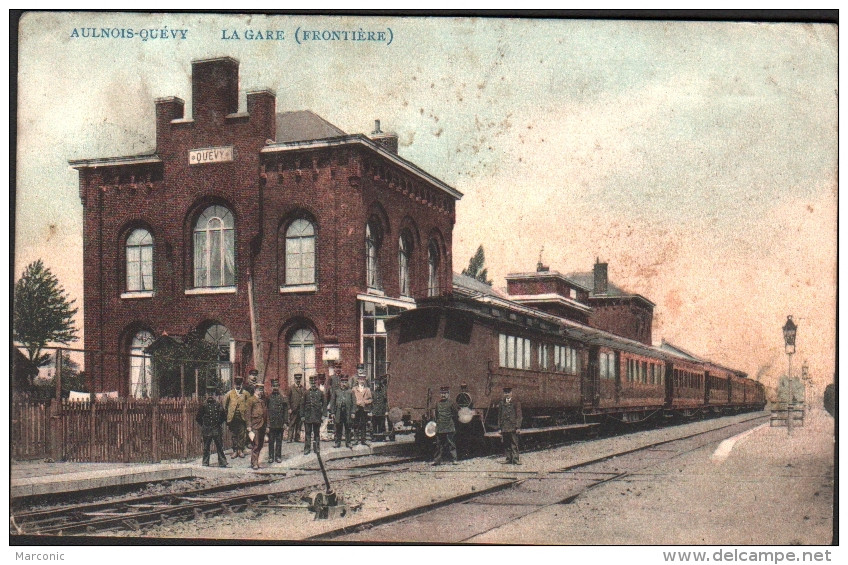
x,y
447,415
249,415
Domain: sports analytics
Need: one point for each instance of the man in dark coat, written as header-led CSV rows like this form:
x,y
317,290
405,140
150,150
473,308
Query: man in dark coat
x,y
277,415
379,406
211,416
342,406
362,397
296,394
312,412
509,422
447,413
257,421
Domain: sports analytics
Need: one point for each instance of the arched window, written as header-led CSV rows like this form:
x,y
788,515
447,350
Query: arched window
x,y
373,241
404,256
139,261
141,372
214,248
433,261
300,253
220,337
301,354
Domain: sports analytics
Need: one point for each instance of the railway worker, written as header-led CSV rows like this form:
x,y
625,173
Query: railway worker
x,y
509,422
257,421
364,399
252,377
277,416
312,412
235,403
447,413
342,407
211,416
379,407
296,394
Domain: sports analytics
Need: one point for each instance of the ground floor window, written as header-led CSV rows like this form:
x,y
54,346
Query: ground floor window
x,y
141,370
373,316
301,346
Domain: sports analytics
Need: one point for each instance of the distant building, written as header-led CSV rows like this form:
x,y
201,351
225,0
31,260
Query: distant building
x,y
585,297
338,230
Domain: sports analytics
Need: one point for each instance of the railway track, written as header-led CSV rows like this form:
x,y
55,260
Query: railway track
x,y
473,514
135,514
532,490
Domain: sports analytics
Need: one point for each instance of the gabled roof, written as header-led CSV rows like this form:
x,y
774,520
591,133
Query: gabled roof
x,y
463,284
587,280
680,352
303,125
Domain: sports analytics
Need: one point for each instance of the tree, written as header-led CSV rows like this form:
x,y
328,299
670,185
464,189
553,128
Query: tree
x,y
72,379
43,313
476,268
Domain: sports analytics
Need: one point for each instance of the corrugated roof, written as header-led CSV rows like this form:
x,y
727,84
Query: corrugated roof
x,y
304,125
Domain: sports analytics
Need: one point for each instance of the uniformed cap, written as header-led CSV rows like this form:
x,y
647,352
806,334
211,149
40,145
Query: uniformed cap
x,y
311,378
239,379
507,389
444,389
298,376
210,386
463,384
343,378
275,383
253,372
259,385
360,368
360,377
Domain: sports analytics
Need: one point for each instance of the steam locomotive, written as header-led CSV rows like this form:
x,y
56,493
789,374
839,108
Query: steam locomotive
x,y
565,374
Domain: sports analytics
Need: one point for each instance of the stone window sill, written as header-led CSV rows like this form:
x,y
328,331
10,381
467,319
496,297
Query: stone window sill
x,y
137,294
211,290
298,288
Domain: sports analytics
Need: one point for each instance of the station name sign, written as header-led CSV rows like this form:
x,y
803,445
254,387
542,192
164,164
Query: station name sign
x,y
211,155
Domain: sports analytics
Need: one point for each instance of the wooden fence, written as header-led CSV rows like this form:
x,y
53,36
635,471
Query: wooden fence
x,y
123,430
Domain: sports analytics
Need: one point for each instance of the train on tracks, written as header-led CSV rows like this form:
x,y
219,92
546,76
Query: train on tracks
x,y
565,374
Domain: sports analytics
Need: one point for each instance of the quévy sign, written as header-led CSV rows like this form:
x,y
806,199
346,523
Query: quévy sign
x,y
211,155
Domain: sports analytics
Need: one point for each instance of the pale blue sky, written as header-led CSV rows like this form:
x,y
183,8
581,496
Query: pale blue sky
x,y
699,159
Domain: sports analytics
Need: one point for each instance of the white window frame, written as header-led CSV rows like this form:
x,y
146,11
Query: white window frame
x,y
215,222
139,262
300,250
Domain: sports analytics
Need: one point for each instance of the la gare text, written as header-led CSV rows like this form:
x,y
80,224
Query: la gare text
x,y
254,34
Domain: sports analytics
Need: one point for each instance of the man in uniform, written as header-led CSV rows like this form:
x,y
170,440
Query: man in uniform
x,y
463,399
235,405
509,422
257,421
312,412
362,396
296,394
379,406
446,414
277,415
210,416
341,406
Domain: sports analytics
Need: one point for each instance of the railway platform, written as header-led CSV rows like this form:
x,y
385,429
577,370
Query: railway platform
x,y
40,478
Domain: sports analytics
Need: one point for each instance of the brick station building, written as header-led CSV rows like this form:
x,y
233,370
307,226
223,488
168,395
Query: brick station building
x,y
338,230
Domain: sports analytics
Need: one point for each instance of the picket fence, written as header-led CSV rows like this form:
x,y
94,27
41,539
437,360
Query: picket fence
x,y
127,430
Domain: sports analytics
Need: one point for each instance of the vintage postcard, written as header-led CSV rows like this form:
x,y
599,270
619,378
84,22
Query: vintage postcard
x,y
378,279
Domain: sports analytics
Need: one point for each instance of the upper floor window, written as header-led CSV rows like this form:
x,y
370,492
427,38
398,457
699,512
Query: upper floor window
x,y
404,256
433,261
373,241
300,253
214,248
139,261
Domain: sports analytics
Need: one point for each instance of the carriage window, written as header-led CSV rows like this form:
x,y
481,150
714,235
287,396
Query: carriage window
x,y
606,365
644,372
514,352
543,356
458,327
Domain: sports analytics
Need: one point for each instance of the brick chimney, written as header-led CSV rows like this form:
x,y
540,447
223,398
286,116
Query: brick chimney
x,y
214,88
388,140
600,277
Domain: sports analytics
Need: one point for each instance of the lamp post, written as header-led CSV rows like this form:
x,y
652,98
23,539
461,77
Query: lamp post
x,y
789,331
805,378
